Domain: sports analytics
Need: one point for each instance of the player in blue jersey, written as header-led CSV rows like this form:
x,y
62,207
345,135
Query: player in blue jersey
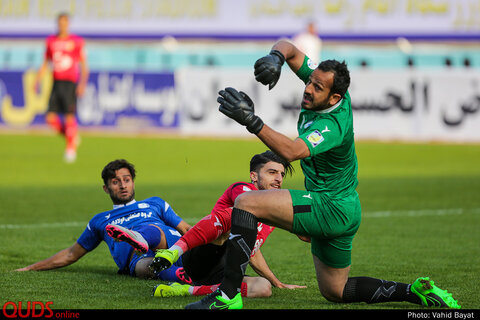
x,y
153,218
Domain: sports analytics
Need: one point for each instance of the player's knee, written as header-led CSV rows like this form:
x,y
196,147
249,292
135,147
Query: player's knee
x,y
330,291
260,288
142,269
266,290
52,119
246,202
331,295
241,201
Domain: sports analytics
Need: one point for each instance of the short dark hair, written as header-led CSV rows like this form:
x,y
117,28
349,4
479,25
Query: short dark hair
x,y
109,170
341,75
63,14
259,160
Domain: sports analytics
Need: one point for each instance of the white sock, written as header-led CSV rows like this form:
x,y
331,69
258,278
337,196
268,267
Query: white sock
x,y
175,247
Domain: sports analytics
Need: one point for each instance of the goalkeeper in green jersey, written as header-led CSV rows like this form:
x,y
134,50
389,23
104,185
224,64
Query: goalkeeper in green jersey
x,y
327,214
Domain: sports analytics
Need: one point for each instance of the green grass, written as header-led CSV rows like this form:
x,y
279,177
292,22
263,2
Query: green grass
x,y
420,202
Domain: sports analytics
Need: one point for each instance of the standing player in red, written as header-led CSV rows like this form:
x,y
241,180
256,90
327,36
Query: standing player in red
x,y
202,247
66,53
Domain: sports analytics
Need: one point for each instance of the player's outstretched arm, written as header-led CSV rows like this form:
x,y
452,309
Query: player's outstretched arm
x,y
289,149
62,258
239,107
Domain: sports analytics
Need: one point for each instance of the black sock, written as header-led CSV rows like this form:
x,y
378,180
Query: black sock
x,y
239,248
370,290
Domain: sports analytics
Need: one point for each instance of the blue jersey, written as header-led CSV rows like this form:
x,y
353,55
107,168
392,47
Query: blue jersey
x,y
149,211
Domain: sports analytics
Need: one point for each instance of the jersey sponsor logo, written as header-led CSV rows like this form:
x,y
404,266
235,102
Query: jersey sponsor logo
x,y
315,138
135,215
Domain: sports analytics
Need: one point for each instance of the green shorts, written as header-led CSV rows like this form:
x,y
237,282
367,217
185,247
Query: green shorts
x,y
330,223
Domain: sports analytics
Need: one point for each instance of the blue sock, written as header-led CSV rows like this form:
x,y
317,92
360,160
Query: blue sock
x,y
169,274
151,234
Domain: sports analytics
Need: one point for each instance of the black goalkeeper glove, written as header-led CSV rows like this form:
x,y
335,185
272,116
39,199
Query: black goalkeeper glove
x,y
239,107
268,68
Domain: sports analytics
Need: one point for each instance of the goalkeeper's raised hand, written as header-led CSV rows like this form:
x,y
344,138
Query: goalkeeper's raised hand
x,y
239,107
268,68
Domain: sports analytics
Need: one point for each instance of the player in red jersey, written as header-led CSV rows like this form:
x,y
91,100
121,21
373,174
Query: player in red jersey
x,y
66,54
202,248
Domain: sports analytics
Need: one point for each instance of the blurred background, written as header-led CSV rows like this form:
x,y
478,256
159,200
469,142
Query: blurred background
x,y
157,65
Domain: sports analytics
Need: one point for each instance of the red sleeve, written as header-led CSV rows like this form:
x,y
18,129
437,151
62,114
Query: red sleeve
x,y
239,188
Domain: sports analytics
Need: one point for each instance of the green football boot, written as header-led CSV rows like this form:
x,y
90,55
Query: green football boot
x,y
164,258
172,290
433,296
215,301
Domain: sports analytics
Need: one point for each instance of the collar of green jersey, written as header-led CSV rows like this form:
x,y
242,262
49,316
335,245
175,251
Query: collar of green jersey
x,y
328,110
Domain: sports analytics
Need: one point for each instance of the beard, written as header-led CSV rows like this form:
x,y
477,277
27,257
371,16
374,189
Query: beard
x,y
265,185
309,104
121,200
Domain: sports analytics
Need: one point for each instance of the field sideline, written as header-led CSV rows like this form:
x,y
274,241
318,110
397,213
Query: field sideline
x,y
420,203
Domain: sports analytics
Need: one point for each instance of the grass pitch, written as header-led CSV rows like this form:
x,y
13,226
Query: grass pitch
x,y
420,202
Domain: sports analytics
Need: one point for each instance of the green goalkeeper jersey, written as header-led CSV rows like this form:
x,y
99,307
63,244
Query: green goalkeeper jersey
x,y
332,166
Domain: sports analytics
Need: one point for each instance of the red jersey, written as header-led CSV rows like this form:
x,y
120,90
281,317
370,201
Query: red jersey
x,y
65,54
225,204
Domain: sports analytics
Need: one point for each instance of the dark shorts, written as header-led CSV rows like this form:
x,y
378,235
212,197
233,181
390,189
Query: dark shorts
x,y
63,98
330,223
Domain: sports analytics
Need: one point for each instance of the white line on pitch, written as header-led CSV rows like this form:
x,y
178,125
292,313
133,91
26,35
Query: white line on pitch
x,y
373,214
418,213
